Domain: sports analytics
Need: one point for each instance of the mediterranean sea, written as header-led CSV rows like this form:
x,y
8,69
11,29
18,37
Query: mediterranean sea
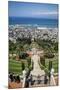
x,y
52,23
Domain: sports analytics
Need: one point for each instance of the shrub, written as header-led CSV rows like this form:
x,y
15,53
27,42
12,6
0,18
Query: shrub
x,y
29,61
50,65
23,66
49,55
23,55
42,60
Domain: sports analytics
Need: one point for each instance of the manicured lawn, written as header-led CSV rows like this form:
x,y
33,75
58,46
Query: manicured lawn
x,y
15,66
54,63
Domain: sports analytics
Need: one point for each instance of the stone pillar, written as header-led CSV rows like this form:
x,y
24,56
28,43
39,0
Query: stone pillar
x,y
24,78
52,80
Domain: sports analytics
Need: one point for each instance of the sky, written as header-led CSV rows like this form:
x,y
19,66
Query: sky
x,y
33,10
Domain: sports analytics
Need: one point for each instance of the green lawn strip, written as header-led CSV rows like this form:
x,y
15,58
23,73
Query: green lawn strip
x,y
12,60
15,71
15,66
55,66
54,63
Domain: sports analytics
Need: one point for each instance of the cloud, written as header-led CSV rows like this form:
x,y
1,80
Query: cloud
x,y
45,13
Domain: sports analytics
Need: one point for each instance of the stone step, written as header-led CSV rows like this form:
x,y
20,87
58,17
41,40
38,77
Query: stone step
x,y
39,85
38,72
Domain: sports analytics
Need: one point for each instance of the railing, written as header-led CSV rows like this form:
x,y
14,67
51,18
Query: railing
x,y
43,79
33,80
